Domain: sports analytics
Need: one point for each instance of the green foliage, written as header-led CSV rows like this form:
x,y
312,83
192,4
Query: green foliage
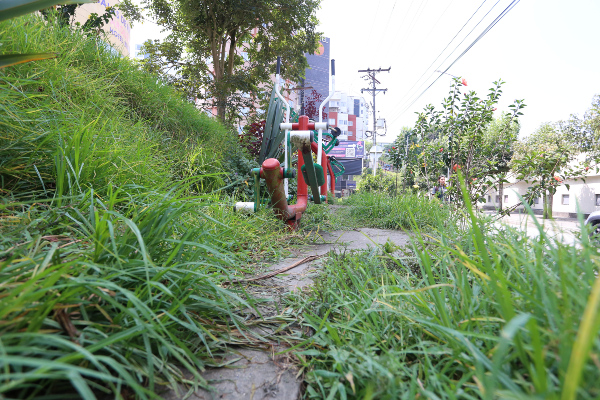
x,y
458,137
474,313
558,152
122,125
540,158
382,182
65,16
120,291
16,8
379,210
203,54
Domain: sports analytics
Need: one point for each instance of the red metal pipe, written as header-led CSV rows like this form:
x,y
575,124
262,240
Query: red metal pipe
x,y
332,175
273,174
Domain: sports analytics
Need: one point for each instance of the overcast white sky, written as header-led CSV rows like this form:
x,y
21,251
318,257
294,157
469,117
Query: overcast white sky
x,y
547,52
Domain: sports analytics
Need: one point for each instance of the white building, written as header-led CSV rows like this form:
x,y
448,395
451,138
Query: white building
x,y
582,196
349,114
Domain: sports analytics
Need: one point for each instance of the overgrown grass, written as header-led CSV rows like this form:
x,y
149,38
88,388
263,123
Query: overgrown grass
x,y
380,210
487,314
112,247
121,125
107,293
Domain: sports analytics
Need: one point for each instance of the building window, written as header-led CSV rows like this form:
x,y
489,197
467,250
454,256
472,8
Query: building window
x,y
350,123
536,200
497,199
505,198
489,199
331,121
565,199
598,200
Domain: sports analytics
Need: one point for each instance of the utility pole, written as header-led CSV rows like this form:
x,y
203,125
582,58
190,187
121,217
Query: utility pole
x,y
373,91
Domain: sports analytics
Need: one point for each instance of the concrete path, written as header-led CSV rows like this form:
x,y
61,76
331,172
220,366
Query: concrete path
x,y
565,229
259,374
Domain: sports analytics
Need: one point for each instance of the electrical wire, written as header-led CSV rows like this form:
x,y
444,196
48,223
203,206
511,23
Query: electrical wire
x,y
386,27
448,56
401,25
374,18
413,23
408,93
485,31
431,30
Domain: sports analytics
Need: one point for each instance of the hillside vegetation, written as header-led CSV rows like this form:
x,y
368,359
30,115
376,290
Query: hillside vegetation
x,y
113,243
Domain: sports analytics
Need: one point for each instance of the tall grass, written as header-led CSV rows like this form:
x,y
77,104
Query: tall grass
x,y
93,296
483,315
379,210
112,247
134,128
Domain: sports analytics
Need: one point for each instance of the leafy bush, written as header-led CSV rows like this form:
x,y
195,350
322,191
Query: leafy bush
x,y
382,182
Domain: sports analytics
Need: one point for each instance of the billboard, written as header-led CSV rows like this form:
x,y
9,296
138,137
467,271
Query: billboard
x,y
349,149
352,166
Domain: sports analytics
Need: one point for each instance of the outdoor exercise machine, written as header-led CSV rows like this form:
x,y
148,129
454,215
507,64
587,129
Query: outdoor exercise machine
x,y
306,137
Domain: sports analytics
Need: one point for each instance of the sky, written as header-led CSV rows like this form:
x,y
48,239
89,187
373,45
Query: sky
x,y
547,52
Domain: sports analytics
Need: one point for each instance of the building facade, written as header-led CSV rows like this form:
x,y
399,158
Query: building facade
x,y
580,196
118,28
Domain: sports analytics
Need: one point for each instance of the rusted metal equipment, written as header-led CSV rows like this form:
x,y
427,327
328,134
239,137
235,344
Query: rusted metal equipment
x,y
301,136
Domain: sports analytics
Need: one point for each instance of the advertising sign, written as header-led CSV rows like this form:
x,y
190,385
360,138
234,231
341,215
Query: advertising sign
x,y
349,149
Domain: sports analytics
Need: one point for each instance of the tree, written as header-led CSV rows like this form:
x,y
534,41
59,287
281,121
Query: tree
x,y
403,155
539,158
221,51
455,138
499,138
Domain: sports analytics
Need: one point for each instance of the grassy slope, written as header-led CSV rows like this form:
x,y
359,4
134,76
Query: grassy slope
x,y
111,253
519,320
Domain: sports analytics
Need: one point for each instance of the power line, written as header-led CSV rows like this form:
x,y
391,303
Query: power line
x,y
386,27
452,52
442,52
432,28
412,24
485,31
401,26
374,18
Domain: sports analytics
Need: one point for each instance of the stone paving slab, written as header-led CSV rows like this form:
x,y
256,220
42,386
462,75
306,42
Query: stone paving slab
x,y
257,375
262,375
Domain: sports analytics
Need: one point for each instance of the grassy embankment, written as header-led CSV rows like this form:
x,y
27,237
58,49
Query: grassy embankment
x,y
466,312
111,246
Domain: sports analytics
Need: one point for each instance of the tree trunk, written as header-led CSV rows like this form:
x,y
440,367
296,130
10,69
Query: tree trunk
x,y
501,193
548,197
